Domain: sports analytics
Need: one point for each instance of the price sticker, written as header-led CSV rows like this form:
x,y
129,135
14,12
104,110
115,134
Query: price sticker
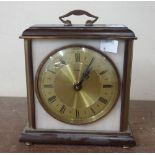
x,y
109,46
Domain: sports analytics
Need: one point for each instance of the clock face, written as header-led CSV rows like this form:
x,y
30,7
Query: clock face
x,y
77,84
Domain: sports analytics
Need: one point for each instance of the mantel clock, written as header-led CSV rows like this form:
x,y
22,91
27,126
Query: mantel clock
x,y
78,83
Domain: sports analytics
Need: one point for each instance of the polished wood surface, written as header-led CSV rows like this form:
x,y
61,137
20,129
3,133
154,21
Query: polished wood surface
x,y
35,136
13,119
100,31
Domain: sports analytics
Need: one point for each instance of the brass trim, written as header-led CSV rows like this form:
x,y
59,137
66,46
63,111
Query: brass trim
x,y
78,13
29,82
126,85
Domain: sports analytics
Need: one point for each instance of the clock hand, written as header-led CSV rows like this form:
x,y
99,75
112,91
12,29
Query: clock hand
x,y
87,71
84,75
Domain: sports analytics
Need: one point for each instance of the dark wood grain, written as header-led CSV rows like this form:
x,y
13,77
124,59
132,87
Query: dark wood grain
x,y
13,119
78,32
78,138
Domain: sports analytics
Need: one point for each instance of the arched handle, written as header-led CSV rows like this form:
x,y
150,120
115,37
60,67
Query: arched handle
x,y
78,13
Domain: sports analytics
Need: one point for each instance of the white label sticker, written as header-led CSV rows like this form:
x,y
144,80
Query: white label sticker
x,y
109,46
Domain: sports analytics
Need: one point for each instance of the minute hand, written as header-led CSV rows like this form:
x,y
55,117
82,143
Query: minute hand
x,y
86,72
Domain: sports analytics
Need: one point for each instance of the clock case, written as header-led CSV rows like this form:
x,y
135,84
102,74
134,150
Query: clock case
x,y
87,31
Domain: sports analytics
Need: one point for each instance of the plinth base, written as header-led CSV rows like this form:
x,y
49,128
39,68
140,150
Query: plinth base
x,y
124,139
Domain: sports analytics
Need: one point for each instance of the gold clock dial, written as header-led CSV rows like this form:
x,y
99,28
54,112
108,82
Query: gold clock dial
x,y
77,84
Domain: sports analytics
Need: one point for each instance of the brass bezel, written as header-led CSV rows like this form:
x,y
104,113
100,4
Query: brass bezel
x,y
81,122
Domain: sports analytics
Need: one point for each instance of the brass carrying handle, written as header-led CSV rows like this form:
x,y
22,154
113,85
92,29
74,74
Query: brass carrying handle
x,y
78,13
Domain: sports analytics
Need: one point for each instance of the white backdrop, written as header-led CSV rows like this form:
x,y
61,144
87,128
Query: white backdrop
x,y
17,16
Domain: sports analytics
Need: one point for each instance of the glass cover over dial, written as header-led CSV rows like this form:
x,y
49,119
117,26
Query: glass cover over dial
x,y
77,84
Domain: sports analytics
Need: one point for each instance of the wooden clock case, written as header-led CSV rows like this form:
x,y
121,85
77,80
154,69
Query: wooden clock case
x,y
31,133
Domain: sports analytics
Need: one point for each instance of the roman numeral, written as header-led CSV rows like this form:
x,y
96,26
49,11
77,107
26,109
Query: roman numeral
x,y
77,57
93,111
107,86
103,100
77,113
48,86
52,99
103,72
63,108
